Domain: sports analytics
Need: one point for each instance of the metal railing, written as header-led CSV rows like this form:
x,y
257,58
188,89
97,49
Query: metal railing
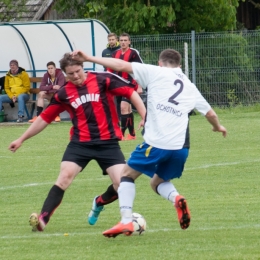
x,y
225,66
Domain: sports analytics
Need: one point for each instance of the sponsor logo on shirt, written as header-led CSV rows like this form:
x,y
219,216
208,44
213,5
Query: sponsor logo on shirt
x,y
84,99
168,109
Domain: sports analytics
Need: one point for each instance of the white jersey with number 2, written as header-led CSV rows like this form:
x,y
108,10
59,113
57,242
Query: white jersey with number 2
x,y
170,98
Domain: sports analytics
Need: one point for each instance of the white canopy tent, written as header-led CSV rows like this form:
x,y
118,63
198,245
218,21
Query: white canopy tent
x,y
34,44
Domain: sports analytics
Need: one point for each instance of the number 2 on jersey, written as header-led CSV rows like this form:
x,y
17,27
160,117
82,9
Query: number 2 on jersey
x,y
177,93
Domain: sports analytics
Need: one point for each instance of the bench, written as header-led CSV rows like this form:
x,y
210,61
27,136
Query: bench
x,y
34,91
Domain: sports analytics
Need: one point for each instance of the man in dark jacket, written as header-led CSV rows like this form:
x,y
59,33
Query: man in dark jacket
x,y
52,81
112,46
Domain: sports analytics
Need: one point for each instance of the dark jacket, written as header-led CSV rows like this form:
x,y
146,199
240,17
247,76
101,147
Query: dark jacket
x,y
47,84
107,53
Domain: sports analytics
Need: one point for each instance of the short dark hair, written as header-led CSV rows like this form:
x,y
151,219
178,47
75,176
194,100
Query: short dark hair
x,y
125,34
50,63
171,57
111,34
68,61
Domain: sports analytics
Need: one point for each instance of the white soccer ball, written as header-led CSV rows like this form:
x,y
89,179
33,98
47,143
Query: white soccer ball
x,y
139,223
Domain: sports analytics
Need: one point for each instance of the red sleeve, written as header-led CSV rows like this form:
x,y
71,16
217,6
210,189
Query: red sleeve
x,y
124,91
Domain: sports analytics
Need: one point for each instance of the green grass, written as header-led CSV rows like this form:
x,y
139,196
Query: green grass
x,y
220,182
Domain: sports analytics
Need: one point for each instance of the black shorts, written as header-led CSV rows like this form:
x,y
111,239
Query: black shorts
x,y
106,155
126,100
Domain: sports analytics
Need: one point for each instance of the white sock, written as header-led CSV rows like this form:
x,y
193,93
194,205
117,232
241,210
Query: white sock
x,y
167,191
126,196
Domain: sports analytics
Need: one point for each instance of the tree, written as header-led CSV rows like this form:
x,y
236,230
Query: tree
x,y
12,10
157,16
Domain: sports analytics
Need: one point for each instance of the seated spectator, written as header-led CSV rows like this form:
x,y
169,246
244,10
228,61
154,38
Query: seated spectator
x,y
52,80
17,88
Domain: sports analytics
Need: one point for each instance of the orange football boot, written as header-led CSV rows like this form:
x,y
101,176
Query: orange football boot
x,y
120,228
182,211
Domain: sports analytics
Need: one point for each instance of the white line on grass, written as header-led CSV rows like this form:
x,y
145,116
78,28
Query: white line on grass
x,y
89,179
220,164
44,235
44,183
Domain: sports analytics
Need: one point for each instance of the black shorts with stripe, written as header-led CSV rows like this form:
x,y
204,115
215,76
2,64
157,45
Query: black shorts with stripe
x,y
106,154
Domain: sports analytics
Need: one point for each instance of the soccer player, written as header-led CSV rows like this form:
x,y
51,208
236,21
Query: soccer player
x,y
89,99
126,114
111,47
162,155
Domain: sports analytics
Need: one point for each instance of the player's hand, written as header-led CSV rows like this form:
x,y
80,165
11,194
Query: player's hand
x,y
56,87
221,129
79,55
14,145
141,124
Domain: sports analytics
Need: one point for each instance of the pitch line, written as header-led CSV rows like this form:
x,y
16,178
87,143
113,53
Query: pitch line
x,y
89,179
87,232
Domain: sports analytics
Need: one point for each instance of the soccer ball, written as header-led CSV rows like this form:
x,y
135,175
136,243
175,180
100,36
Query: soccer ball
x,y
139,223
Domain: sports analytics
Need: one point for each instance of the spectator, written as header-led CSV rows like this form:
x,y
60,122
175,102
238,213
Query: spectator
x,y
126,114
17,88
112,46
52,81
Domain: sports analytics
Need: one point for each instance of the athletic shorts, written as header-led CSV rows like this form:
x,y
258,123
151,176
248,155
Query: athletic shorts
x,y
106,155
167,164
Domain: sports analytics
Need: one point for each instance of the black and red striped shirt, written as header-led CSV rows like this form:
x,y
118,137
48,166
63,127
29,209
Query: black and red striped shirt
x,y
131,55
91,107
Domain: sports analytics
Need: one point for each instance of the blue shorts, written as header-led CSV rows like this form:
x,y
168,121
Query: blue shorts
x,y
167,164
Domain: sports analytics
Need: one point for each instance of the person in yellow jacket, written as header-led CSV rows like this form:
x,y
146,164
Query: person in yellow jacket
x,y
17,88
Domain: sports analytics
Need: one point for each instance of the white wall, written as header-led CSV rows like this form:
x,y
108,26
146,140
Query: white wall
x,y
34,44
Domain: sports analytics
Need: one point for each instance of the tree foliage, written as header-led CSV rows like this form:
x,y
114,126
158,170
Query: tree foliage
x,y
12,10
156,16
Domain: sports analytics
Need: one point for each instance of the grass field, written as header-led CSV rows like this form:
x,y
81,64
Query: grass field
x,y
220,182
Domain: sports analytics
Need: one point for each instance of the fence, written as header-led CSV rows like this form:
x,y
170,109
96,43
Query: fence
x,y
225,66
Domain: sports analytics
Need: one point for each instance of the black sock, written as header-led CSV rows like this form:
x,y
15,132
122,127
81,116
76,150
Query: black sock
x,y
52,201
107,197
123,123
39,110
130,124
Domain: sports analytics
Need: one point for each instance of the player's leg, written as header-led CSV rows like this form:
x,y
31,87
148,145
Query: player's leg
x,y
111,160
127,119
139,162
68,171
126,194
75,158
109,196
168,169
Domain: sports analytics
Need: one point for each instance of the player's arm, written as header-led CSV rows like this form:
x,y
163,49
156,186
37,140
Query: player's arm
x,y
212,118
139,105
36,127
114,64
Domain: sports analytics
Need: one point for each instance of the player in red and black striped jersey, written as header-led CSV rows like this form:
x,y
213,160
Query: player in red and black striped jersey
x,y
89,99
123,104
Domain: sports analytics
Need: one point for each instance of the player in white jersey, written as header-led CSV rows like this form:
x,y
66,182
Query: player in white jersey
x,y
162,155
